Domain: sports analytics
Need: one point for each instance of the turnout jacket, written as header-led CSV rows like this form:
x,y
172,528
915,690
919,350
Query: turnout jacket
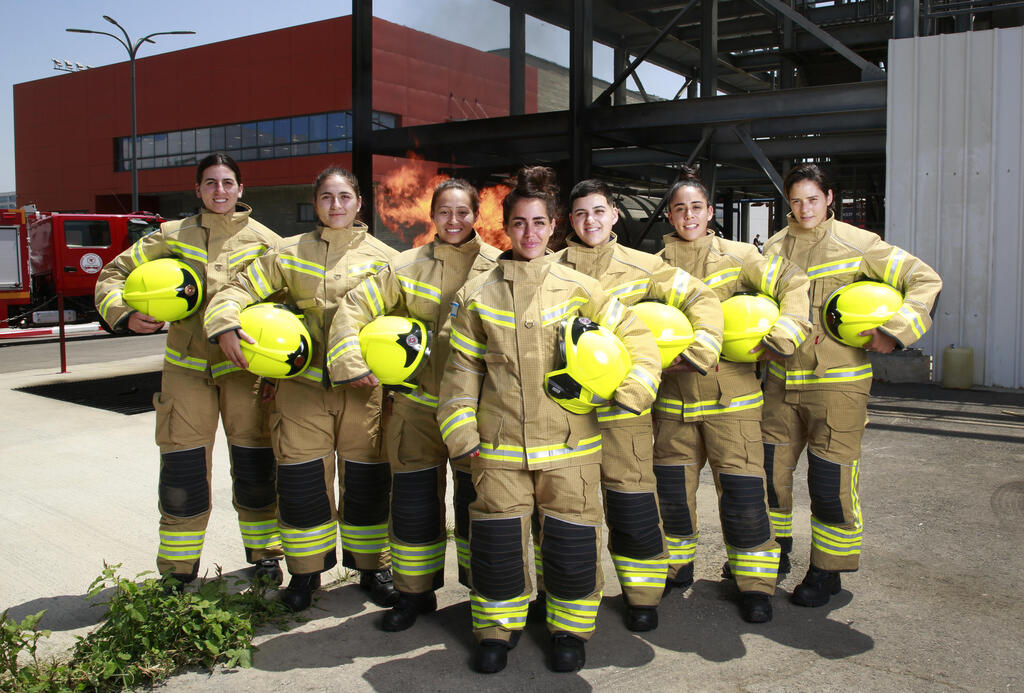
x,y
834,254
504,339
421,284
318,268
632,276
218,247
729,267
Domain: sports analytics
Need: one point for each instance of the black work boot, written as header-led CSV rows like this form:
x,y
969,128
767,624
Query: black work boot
x,y
268,571
786,545
817,588
379,586
299,593
682,580
403,614
567,652
641,619
756,607
492,655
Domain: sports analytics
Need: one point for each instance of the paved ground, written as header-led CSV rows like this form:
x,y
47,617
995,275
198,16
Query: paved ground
x,y
936,606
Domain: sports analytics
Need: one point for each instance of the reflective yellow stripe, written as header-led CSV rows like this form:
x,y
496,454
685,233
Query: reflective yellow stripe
x,y
540,455
185,250
713,406
417,560
421,397
572,615
612,314
309,541
637,572
373,296
297,264
366,539
721,277
372,267
466,345
260,535
509,614
344,346
562,310
181,546
421,289
460,417
179,359
137,253
258,280
680,281
843,374
104,305
894,266
495,316
637,287
834,267
240,256
782,523
770,276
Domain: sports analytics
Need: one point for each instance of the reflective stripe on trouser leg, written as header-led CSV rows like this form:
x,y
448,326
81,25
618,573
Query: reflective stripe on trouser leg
x,y
836,521
569,553
417,535
366,491
676,516
309,528
184,491
463,494
637,546
254,482
500,594
753,553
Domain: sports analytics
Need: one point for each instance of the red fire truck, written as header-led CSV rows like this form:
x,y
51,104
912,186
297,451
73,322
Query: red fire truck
x,y
43,256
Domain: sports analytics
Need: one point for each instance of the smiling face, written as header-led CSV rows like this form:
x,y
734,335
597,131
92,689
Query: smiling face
x,y
529,227
593,217
219,189
808,203
337,203
453,216
690,213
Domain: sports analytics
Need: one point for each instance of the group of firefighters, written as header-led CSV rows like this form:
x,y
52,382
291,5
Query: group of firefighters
x,y
552,383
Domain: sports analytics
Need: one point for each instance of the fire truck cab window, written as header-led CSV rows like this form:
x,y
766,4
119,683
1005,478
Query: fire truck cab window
x,y
138,228
83,233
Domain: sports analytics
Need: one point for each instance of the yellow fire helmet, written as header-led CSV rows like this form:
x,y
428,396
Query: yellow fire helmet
x,y
166,289
671,329
396,349
748,318
859,306
283,347
594,363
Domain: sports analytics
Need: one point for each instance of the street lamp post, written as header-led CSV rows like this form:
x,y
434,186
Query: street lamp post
x,y
133,49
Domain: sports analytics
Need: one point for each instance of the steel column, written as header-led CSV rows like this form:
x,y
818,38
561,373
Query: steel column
x,y
581,78
708,48
516,60
362,103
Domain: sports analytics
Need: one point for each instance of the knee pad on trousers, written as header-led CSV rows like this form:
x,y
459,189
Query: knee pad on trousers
x,y
367,487
570,558
496,558
769,474
184,491
255,476
745,522
633,529
825,481
302,499
415,507
675,512
465,493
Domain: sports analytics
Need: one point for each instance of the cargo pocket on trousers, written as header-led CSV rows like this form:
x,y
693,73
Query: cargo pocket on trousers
x,y
164,407
846,417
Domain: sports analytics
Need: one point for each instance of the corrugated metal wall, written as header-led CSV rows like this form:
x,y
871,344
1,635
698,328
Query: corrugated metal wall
x,y
955,189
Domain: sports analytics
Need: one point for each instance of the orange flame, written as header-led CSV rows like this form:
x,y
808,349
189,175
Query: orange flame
x,y
403,204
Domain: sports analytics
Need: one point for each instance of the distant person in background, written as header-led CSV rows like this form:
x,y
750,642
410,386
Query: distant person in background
x,y
321,432
818,397
200,384
757,242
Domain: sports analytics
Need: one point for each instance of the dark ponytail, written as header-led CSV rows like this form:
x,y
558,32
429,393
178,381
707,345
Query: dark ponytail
x,y
688,178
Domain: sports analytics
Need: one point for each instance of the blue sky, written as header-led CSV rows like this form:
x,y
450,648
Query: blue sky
x,y
35,33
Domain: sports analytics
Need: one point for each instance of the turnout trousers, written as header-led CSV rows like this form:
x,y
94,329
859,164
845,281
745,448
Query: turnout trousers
x,y
830,425
567,501
732,447
635,538
320,435
418,527
188,407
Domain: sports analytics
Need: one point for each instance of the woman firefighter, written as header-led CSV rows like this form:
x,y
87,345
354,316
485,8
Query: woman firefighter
x,y
714,414
421,284
818,397
320,431
199,383
635,538
527,452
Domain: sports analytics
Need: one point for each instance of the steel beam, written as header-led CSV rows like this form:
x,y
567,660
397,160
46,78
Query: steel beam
x,y
742,133
868,70
708,47
705,138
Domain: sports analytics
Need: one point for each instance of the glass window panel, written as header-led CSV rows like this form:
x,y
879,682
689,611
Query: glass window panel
x,y
188,159
145,163
317,147
188,141
339,146
266,152
83,233
147,146
217,139
300,129
282,130
174,143
249,134
306,212
160,144
160,162
203,140
300,149
250,153
265,131
281,150
337,127
173,160
318,127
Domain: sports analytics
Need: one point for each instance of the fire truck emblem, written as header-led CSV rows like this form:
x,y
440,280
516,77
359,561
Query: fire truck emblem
x,y
91,263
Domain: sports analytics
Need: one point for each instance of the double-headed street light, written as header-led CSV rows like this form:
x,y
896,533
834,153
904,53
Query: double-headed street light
x,y
133,49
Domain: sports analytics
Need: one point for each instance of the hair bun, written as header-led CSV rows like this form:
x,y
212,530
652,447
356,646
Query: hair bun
x,y
537,180
688,173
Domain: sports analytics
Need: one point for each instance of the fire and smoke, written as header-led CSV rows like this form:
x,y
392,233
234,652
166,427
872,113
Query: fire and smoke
x,y
403,204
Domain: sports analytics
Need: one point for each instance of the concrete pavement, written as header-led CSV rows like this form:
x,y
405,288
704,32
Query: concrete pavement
x,y
936,605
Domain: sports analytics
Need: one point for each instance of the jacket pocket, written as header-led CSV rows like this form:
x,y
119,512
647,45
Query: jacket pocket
x,y
489,427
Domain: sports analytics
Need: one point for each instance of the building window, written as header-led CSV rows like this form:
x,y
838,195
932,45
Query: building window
x,y
302,135
307,214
